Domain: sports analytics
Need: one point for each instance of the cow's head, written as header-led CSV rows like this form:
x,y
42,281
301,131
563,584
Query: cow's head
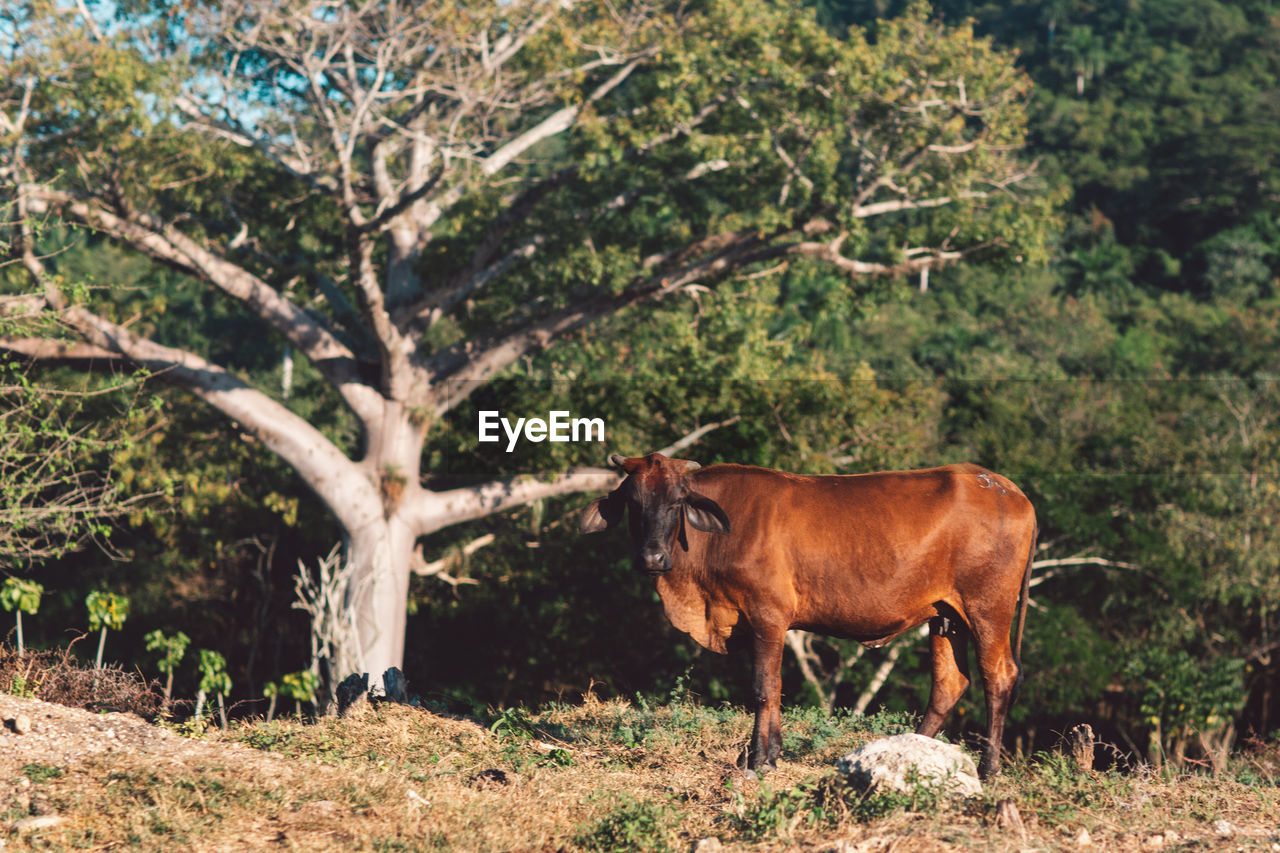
x,y
661,500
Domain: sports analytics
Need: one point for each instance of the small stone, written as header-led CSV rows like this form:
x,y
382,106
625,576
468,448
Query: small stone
x,y
21,724
1153,842
38,822
1084,839
708,845
1222,828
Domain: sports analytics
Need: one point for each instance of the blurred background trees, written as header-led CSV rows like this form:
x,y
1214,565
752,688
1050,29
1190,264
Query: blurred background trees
x,y
1108,340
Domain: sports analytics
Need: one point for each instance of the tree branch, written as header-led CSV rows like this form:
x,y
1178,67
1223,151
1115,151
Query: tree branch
x,y
556,123
458,372
336,479
166,243
868,210
441,509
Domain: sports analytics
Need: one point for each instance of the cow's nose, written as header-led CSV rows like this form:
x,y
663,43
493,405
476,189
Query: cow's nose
x,y
655,561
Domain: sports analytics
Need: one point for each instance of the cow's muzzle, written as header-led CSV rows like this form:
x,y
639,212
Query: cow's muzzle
x,y
654,562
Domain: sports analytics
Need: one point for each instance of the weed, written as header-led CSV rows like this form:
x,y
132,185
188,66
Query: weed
x,y
625,734
20,687
557,758
809,730
887,723
513,724
1060,793
775,813
42,772
269,737
632,825
189,728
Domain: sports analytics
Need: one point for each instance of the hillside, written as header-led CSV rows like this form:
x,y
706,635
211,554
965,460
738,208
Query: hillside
x,y
595,776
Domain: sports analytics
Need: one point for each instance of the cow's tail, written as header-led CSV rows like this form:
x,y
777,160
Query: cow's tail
x,y
1023,600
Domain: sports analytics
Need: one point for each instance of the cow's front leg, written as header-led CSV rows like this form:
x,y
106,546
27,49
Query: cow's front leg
x,y
766,737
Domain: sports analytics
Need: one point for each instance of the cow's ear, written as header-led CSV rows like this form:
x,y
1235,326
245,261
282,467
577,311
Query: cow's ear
x,y
602,513
705,514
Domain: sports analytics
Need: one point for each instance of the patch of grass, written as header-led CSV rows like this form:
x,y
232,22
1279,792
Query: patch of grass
x,y
883,723
774,813
42,772
1061,794
631,825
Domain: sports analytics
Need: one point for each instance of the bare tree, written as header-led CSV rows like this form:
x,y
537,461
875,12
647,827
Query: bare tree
x,y
439,155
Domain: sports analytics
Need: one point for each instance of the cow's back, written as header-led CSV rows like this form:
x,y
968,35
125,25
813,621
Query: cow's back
x,y
865,556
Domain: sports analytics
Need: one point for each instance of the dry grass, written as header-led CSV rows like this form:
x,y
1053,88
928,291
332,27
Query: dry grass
x,y
607,776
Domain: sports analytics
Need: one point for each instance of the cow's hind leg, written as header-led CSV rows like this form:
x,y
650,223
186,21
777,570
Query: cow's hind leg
x,y
766,737
949,647
999,678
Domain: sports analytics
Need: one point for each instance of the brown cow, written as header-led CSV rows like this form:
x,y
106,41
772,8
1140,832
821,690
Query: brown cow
x,y
864,556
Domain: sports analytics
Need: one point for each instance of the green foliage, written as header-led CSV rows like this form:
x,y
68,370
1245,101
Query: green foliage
x,y
632,825
774,813
18,594
107,610
58,489
1180,694
213,673
301,686
42,772
513,724
172,649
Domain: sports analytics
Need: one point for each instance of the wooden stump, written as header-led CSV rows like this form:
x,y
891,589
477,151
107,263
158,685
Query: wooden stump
x,y
1082,746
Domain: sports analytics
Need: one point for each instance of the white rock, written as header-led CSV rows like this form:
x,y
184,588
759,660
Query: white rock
x,y
1221,827
886,763
21,724
1084,839
710,844
38,822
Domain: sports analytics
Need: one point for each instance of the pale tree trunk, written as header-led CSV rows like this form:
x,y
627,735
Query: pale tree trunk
x,y
381,555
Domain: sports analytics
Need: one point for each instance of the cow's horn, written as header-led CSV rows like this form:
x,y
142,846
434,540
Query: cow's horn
x,y
690,465
616,459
